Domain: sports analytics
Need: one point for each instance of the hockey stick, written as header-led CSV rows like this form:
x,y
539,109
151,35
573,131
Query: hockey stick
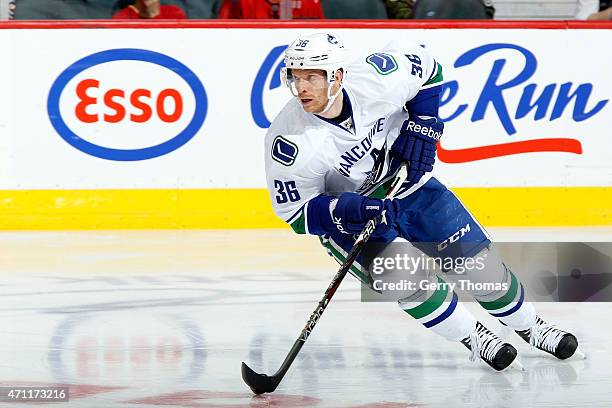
x,y
261,383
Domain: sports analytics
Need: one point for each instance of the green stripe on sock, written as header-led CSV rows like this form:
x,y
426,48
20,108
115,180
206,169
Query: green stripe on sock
x,y
506,299
431,304
339,257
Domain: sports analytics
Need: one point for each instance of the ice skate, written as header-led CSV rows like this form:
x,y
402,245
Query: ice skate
x,y
485,345
547,337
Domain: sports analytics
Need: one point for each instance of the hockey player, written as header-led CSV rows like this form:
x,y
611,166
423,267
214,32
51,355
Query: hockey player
x,y
332,148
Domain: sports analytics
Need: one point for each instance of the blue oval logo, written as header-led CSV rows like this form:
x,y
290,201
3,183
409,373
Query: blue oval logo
x,y
259,86
127,54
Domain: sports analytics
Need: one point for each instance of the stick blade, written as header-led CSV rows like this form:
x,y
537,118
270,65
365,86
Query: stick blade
x,y
258,383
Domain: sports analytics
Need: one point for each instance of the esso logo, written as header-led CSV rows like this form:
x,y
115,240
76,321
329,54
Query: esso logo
x,y
86,348
127,104
117,101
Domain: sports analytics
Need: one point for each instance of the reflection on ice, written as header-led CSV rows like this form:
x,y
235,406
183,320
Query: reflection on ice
x,y
156,329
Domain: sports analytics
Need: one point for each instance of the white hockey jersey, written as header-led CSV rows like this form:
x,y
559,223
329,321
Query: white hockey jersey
x,y
306,155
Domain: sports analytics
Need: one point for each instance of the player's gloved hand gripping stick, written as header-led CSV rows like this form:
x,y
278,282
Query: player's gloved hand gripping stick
x,y
261,383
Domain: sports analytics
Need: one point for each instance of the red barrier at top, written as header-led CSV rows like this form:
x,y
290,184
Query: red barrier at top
x,y
377,24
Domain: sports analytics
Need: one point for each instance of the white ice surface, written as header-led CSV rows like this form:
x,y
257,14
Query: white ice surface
x,y
148,319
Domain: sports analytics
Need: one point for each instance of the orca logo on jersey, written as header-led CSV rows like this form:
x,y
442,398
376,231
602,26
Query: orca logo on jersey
x,y
383,63
284,151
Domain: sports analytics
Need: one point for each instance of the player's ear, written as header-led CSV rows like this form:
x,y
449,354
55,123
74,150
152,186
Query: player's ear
x,y
339,75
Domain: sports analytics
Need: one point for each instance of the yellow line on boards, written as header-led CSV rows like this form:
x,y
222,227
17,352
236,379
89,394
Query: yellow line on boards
x,y
251,208
539,206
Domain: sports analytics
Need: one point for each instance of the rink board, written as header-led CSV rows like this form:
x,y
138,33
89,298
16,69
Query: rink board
x,y
162,126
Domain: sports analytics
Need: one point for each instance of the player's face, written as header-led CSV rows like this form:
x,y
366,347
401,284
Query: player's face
x,y
311,88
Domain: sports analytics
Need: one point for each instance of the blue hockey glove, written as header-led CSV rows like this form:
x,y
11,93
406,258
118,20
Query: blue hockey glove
x,y
416,144
352,212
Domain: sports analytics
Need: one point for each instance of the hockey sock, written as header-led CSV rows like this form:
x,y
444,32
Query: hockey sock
x,y
439,310
509,305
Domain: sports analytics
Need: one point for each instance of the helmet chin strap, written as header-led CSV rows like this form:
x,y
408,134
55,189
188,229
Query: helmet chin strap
x,y
331,98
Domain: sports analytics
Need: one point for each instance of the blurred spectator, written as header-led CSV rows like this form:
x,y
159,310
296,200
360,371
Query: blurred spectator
x,y
149,9
271,9
594,10
63,9
399,8
355,9
202,9
7,9
453,9
194,9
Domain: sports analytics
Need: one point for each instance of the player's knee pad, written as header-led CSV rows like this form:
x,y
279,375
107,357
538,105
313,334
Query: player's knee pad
x,y
400,270
436,221
486,277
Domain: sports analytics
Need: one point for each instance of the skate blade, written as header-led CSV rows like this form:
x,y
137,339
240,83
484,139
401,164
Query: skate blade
x,y
516,365
579,354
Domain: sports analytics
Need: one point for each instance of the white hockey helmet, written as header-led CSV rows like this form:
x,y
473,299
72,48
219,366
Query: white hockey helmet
x,y
315,51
